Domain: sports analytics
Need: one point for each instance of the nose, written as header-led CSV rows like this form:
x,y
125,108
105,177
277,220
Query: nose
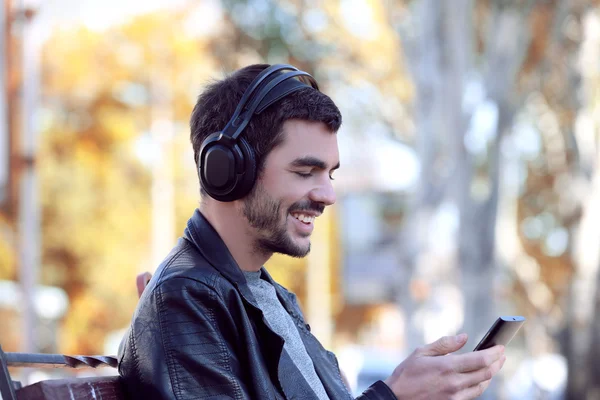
x,y
324,194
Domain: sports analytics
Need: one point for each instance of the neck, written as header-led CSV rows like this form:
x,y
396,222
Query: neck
x,y
227,220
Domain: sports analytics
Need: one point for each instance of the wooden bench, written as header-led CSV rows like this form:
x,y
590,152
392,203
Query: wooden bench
x,y
92,388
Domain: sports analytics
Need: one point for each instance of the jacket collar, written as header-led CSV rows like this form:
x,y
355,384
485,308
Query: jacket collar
x,y
208,242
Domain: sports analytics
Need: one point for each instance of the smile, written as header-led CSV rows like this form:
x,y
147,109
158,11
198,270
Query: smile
x,y
307,219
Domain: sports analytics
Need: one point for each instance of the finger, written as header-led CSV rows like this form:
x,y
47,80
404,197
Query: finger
x,y
474,378
473,392
477,359
444,345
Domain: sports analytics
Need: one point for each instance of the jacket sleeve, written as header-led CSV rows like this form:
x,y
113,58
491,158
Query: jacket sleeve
x,y
177,349
378,391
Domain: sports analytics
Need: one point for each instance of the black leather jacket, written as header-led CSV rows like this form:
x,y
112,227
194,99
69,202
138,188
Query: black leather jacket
x,y
197,333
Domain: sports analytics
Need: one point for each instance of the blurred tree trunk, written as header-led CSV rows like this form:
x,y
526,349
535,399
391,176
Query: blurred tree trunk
x,y
507,40
442,54
425,67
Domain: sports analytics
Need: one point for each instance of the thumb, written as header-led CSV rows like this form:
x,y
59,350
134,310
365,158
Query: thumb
x,y
444,345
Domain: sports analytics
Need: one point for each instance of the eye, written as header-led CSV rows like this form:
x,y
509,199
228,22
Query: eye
x,y
303,175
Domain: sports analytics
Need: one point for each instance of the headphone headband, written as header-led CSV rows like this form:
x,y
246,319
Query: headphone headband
x,y
256,82
250,101
276,89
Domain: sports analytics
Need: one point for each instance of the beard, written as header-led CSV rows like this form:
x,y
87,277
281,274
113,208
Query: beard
x,y
263,213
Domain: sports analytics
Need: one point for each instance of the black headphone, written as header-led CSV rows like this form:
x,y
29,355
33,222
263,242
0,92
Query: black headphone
x,y
226,162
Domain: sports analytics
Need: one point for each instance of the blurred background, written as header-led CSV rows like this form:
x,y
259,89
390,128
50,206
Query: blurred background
x,y
469,187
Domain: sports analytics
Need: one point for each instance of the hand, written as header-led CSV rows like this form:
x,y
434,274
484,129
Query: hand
x,y
430,374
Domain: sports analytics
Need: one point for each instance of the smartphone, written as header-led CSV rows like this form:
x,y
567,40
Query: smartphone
x,y
501,332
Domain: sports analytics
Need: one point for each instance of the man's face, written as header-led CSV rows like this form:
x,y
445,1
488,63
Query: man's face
x,y
293,189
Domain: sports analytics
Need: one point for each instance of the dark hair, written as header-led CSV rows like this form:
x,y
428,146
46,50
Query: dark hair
x,y
218,101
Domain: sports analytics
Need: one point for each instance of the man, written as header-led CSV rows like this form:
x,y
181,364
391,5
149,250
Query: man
x,y
212,323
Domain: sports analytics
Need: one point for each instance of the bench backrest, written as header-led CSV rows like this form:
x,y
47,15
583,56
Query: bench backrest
x,y
105,387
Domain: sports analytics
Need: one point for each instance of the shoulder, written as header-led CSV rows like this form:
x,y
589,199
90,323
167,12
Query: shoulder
x,y
185,267
186,316
186,291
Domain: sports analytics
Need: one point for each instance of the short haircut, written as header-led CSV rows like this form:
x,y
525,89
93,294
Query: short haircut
x,y
218,101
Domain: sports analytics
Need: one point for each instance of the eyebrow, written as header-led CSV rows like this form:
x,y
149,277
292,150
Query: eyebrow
x,y
309,161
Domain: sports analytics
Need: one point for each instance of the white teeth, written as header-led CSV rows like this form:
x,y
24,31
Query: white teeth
x,y
304,218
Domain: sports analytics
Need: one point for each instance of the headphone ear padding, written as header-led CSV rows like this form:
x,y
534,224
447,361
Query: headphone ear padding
x,y
248,178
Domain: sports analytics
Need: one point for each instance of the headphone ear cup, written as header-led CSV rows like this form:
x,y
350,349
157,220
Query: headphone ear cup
x,y
216,166
227,173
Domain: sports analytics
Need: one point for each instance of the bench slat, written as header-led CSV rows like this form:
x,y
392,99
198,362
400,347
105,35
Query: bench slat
x,y
59,361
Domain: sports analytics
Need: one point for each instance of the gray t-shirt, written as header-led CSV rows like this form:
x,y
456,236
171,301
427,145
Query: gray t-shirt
x,y
282,323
